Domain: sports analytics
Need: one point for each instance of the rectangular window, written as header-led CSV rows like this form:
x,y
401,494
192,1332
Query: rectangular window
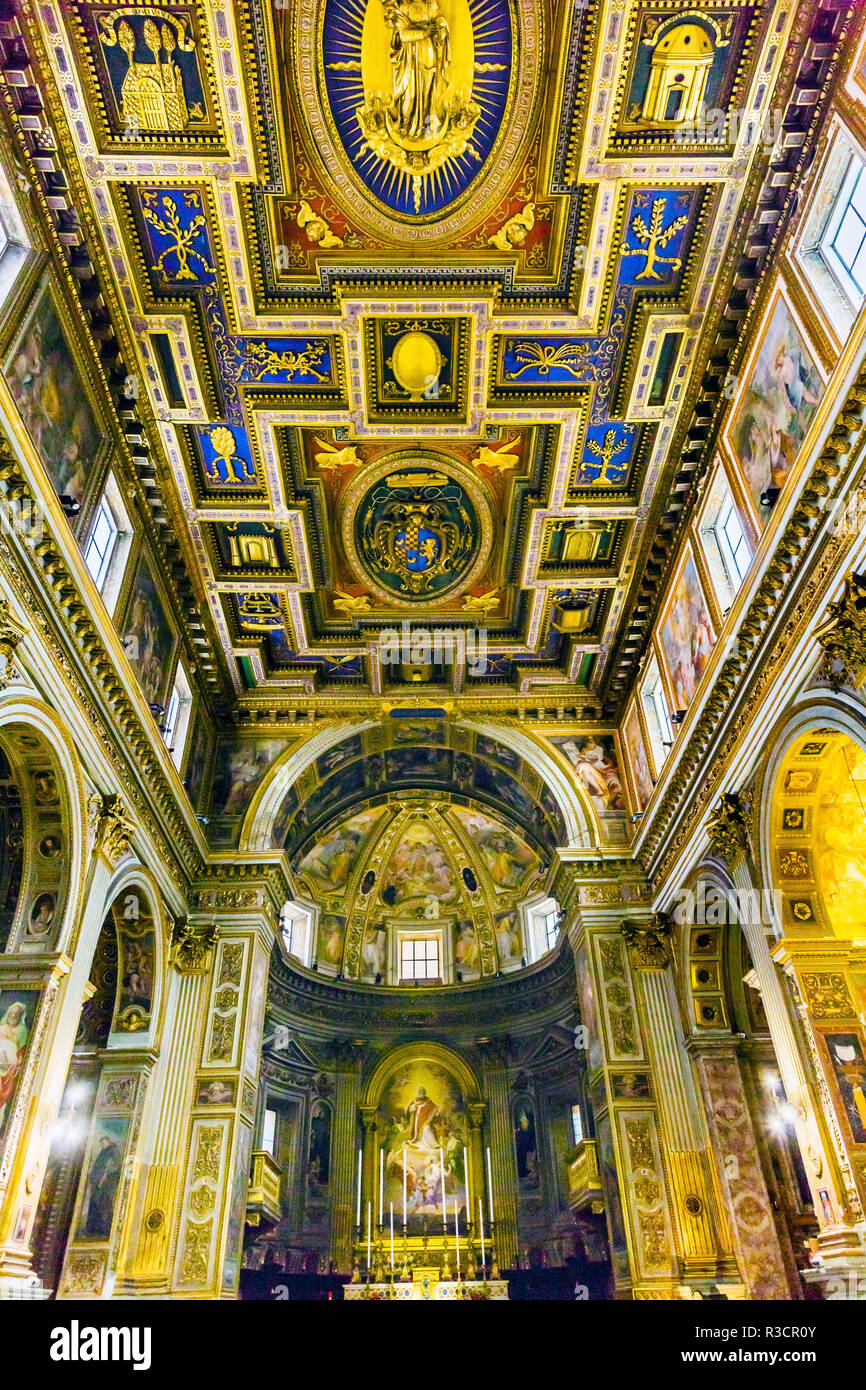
x,y
419,958
733,544
725,545
843,245
101,544
661,382
269,1132
658,720
551,928
577,1124
170,724
170,379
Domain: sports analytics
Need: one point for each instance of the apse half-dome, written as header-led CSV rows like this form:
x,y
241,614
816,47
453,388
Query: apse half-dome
x,y
450,880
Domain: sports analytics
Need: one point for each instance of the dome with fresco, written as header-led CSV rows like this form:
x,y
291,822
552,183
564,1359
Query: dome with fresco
x,y
449,888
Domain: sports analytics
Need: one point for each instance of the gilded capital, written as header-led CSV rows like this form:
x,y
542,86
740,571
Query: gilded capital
x,y
647,942
842,634
11,633
728,831
114,827
191,945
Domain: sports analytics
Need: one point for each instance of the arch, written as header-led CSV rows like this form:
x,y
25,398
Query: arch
x,y
42,755
709,943
788,798
139,1027
574,803
258,823
422,1050
581,829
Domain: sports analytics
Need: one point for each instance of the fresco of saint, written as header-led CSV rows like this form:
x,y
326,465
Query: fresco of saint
x,y
423,1119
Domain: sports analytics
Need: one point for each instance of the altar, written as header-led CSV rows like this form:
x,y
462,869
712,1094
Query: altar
x,y
427,1286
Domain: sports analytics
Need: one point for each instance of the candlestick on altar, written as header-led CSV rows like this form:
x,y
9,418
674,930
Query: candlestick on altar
x,y
392,1240
483,1253
381,1187
489,1188
457,1239
442,1174
358,1210
369,1236
404,1187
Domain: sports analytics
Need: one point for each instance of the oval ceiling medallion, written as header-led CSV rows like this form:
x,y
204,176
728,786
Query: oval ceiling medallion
x,y
418,91
418,532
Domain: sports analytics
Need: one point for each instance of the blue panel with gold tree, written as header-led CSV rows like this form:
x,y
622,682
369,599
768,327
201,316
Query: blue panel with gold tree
x,y
654,241
226,456
607,455
177,239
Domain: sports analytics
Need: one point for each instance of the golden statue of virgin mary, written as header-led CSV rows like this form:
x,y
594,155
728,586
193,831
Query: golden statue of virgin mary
x,y
418,71
421,60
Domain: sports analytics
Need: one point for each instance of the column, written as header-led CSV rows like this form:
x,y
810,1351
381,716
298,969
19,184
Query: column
x,y
209,1218
344,1155
146,1255
667,1234
703,1235
503,1161
59,984
739,1167
831,1181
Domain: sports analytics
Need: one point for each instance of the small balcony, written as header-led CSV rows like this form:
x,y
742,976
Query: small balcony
x,y
263,1196
584,1182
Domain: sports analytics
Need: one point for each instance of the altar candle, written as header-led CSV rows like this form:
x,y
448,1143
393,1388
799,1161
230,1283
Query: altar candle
x,y
358,1210
392,1237
442,1175
369,1232
467,1168
457,1237
481,1219
381,1187
489,1187
404,1184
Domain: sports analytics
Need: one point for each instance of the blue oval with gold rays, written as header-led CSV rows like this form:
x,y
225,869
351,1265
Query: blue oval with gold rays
x,y
418,90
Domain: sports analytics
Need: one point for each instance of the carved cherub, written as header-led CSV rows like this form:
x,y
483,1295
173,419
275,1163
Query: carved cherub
x,y
316,228
513,232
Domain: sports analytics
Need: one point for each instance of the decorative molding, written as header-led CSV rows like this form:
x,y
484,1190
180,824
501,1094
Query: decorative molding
x,y
728,830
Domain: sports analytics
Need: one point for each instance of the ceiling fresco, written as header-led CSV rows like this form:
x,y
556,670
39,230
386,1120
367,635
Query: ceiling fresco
x,y
413,755
418,864
420,293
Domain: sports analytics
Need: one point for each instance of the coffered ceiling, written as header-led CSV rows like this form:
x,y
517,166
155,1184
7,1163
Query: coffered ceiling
x,y
425,308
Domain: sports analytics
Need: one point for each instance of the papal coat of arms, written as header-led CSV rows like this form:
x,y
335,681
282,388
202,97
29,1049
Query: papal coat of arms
x,y
417,532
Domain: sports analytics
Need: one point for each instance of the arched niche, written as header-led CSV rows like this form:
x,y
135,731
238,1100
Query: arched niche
x,y
134,911
426,1142
96,1134
714,957
813,821
43,771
